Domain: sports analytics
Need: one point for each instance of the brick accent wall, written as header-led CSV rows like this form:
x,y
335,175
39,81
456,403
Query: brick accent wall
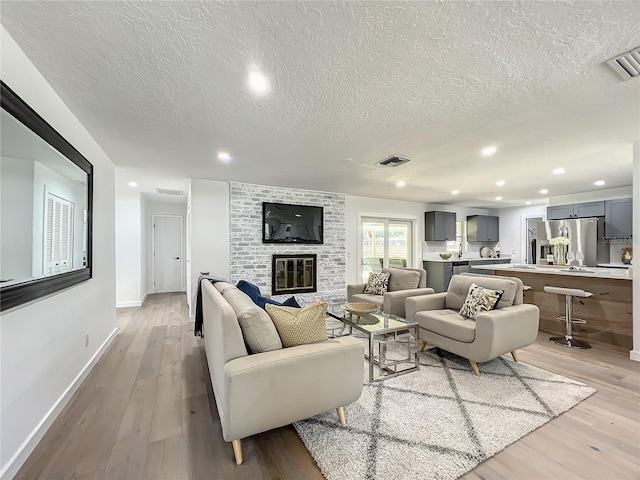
x,y
251,259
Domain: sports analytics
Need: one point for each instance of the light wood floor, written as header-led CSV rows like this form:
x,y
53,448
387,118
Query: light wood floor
x,y
146,411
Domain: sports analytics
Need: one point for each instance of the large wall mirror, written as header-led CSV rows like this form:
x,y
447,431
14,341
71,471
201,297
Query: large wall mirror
x,y
46,190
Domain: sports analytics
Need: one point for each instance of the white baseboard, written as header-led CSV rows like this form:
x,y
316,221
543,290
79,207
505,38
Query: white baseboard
x,y
635,355
15,463
144,298
133,303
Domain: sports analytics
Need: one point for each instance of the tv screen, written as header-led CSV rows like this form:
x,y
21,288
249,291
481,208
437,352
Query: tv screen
x,y
286,223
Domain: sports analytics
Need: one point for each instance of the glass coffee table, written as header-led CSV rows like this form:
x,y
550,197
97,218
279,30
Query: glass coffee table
x,y
390,334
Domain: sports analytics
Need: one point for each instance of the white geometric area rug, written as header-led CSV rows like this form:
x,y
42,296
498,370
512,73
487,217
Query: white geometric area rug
x,y
439,422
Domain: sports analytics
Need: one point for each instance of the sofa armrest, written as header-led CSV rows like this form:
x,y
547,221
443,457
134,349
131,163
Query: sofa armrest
x,y
355,289
394,301
507,329
272,389
413,305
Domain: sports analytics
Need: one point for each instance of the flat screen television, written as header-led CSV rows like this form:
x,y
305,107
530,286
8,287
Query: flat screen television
x,y
286,223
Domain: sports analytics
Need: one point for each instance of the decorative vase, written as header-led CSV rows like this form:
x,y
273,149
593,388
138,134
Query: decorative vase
x,y
559,253
627,255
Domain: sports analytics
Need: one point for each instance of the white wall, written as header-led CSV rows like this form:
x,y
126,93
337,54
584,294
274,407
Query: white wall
x,y
209,231
146,253
42,355
635,353
16,210
513,228
128,244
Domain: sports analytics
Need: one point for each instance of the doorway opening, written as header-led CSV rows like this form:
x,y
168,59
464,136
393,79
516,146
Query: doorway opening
x,y
385,242
531,239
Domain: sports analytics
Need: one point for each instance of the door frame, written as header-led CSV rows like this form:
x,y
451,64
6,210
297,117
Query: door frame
x,y
415,227
153,249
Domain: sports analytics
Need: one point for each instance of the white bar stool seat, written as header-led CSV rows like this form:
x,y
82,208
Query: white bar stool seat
x,y
569,293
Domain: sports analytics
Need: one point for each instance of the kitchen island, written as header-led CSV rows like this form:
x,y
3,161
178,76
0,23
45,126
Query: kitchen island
x,y
608,312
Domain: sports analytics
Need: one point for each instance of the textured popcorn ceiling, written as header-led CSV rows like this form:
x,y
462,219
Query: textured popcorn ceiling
x,y
161,86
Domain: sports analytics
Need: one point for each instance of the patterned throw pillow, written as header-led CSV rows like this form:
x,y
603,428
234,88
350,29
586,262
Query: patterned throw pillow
x,y
479,299
377,284
300,326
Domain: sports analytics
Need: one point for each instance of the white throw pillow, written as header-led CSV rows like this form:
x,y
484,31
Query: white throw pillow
x,y
479,299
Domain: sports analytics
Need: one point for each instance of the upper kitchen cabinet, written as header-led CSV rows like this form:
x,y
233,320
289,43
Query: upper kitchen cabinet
x,y
439,226
483,228
576,210
618,218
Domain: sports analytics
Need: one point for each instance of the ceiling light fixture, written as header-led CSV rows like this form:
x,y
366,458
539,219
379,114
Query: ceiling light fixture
x,y
257,82
528,202
498,198
400,183
558,171
599,183
133,184
224,157
500,183
544,191
455,192
488,151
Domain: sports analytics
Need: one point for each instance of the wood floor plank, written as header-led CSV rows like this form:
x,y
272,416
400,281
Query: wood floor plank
x,y
118,425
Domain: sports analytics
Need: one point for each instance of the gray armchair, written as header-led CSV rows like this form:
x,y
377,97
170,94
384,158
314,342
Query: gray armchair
x,y
403,283
511,325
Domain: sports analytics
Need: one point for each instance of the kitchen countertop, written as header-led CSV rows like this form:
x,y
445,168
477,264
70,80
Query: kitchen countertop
x,y
475,259
595,272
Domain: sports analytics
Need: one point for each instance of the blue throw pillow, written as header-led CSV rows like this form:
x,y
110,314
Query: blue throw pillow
x,y
254,294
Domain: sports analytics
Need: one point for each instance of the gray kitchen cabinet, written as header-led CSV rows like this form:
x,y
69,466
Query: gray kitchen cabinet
x,y
483,228
576,210
438,275
618,218
439,226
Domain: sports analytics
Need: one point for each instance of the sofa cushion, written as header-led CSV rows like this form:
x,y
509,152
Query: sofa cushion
x,y
258,330
377,284
222,286
459,287
300,326
253,291
448,323
479,299
401,279
365,297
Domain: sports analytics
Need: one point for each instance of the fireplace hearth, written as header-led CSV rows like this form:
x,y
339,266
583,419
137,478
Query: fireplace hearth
x,y
293,274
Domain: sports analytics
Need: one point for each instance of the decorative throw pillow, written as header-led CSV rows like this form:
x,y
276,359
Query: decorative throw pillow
x,y
300,326
479,299
377,284
254,293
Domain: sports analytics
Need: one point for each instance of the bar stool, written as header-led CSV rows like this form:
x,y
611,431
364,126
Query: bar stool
x,y
568,340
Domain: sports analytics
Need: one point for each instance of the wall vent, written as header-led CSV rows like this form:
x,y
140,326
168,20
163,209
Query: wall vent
x,y
167,191
627,65
393,161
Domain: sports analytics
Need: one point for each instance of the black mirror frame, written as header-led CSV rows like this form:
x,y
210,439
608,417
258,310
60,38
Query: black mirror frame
x,y
14,295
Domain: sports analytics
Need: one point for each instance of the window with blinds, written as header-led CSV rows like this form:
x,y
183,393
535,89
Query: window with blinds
x,y
58,235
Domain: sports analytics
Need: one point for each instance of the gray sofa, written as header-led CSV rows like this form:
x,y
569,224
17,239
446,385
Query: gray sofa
x,y
260,391
403,283
511,325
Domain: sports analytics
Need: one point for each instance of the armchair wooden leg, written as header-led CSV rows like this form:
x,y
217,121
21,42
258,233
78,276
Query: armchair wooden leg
x,y
237,451
474,365
341,419
513,354
423,346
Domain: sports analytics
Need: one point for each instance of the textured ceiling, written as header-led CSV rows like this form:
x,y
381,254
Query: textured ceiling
x,y
161,86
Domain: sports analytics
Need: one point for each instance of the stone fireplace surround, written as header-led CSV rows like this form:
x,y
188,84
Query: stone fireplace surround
x,y
251,260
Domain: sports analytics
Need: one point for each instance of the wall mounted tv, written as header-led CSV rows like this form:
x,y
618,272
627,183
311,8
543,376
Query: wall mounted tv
x,y
286,223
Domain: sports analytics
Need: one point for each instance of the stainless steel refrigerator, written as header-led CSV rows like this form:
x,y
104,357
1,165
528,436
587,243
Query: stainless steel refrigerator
x,y
585,237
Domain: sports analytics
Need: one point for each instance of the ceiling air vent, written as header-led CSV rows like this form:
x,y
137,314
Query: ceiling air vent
x,y
166,191
393,161
627,65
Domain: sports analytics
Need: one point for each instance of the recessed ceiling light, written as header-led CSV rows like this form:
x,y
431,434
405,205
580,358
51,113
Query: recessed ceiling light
x,y
528,202
257,82
558,171
224,157
500,183
455,192
133,184
544,191
498,198
400,184
599,183
298,215
488,151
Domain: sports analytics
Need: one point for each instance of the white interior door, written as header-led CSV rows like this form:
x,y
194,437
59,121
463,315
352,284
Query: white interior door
x,y
167,254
